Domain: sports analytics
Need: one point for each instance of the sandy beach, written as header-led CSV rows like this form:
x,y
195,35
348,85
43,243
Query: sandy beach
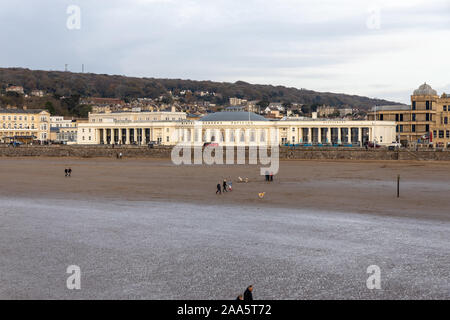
x,y
142,229
357,187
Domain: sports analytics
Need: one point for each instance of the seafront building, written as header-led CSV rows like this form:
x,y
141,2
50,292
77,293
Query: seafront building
x,y
230,127
63,130
423,123
24,125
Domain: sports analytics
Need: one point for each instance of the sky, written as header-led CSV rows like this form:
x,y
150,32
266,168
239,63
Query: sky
x,y
382,49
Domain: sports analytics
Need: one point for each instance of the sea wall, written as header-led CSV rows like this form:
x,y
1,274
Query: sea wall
x,y
161,152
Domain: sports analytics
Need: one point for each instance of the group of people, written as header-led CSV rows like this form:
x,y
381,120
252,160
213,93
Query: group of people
x,y
68,172
247,296
224,187
269,177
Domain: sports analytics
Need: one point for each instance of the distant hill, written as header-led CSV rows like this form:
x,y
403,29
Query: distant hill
x,y
114,86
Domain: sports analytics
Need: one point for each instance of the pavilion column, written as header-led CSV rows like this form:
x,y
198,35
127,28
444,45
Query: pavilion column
x,y
105,131
120,136
226,137
319,135
309,135
143,136
349,135
360,135
339,135
112,136
127,136
135,137
329,135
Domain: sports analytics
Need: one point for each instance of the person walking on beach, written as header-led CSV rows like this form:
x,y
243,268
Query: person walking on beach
x,y
66,172
230,186
218,189
271,176
69,172
248,296
225,185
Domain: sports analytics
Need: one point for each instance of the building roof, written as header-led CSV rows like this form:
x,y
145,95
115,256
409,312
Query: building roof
x,y
395,107
28,111
425,90
233,116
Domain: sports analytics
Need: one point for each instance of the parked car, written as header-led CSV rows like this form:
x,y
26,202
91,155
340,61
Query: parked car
x,y
210,144
15,143
394,145
373,145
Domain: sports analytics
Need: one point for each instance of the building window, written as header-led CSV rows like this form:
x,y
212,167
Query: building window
x,y
414,105
427,105
445,120
381,117
413,117
413,128
447,134
427,117
434,133
396,128
396,117
401,128
441,134
444,108
427,128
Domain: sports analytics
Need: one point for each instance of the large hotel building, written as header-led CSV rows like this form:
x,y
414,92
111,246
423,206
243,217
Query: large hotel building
x,y
231,127
24,125
424,123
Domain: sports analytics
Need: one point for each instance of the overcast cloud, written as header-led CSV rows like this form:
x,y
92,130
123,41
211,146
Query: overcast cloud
x,y
379,49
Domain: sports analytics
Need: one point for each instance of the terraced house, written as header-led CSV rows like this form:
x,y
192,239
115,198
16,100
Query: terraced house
x,y
423,123
24,125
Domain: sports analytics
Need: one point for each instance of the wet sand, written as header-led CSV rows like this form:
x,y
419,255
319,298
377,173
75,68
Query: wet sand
x,y
367,187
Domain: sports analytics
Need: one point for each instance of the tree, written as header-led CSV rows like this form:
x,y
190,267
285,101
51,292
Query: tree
x,y
263,104
287,105
50,108
306,109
